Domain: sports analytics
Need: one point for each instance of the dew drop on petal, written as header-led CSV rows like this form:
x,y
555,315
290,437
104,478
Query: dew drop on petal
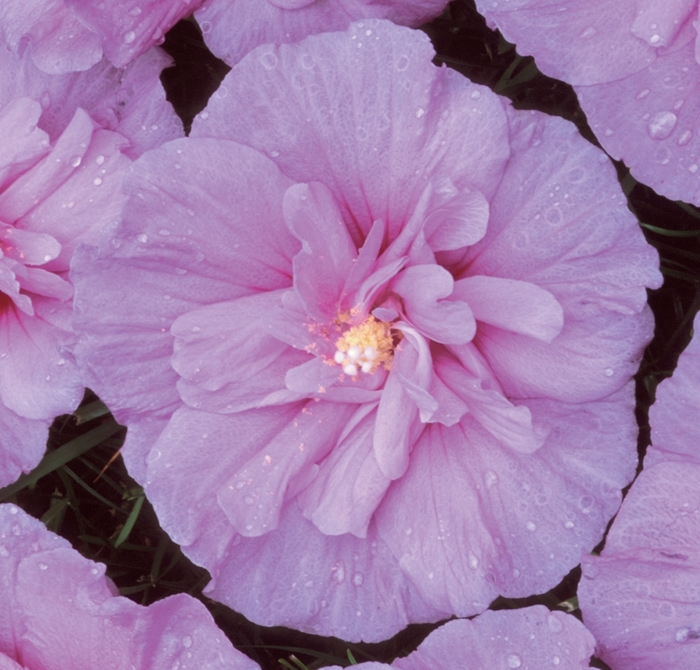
x,y
248,500
513,661
357,579
129,37
75,161
187,641
490,478
682,634
661,125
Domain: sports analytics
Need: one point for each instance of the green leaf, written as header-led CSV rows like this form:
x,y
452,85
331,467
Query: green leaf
x,y
670,233
131,520
91,411
58,457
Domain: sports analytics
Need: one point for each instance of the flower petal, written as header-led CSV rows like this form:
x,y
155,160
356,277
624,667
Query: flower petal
x,y
327,255
423,289
516,306
343,586
375,150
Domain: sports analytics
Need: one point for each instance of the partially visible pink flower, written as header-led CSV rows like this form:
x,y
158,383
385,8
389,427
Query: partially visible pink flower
x,y
232,28
383,352
641,597
73,35
58,611
635,66
532,638
61,168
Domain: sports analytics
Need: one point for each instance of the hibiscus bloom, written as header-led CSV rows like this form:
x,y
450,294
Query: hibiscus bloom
x,y
58,611
641,597
61,166
232,28
530,639
73,35
635,68
372,332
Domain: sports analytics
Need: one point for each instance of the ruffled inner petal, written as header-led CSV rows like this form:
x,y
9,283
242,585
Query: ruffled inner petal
x,y
349,485
422,288
327,254
517,306
252,498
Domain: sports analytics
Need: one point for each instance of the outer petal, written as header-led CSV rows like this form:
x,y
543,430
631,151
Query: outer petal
x,y
641,598
559,221
126,29
232,28
38,379
653,124
22,444
673,417
159,250
471,519
58,42
532,638
581,43
342,586
130,101
51,594
375,135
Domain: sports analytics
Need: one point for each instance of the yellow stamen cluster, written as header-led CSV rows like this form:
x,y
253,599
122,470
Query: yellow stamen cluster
x,y
365,347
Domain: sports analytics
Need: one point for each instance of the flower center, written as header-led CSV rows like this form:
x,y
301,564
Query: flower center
x,y
365,347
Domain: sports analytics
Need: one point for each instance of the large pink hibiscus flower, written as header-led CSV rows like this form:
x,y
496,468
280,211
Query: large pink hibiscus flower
x,y
61,167
634,65
641,597
376,337
59,611
73,35
232,28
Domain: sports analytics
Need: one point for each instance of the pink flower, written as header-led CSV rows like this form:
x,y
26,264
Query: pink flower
x,y
641,597
532,638
58,611
61,167
635,68
72,35
372,333
232,28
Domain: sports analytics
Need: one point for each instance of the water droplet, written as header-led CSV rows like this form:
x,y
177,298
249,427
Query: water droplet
x,y
43,566
143,238
135,11
75,161
129,37
13,509
556,660
531,526
608,132
204,115
402,63
153,456
248,500
97,181
100,159
338,573
609,372
420,112
684,138
643,93
249,527
473,562
588,33
206,27
187,641
357,579
490,478
569,525
682,634
269,60
513,661
655,38
164,231
661,125
475,95
692,168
